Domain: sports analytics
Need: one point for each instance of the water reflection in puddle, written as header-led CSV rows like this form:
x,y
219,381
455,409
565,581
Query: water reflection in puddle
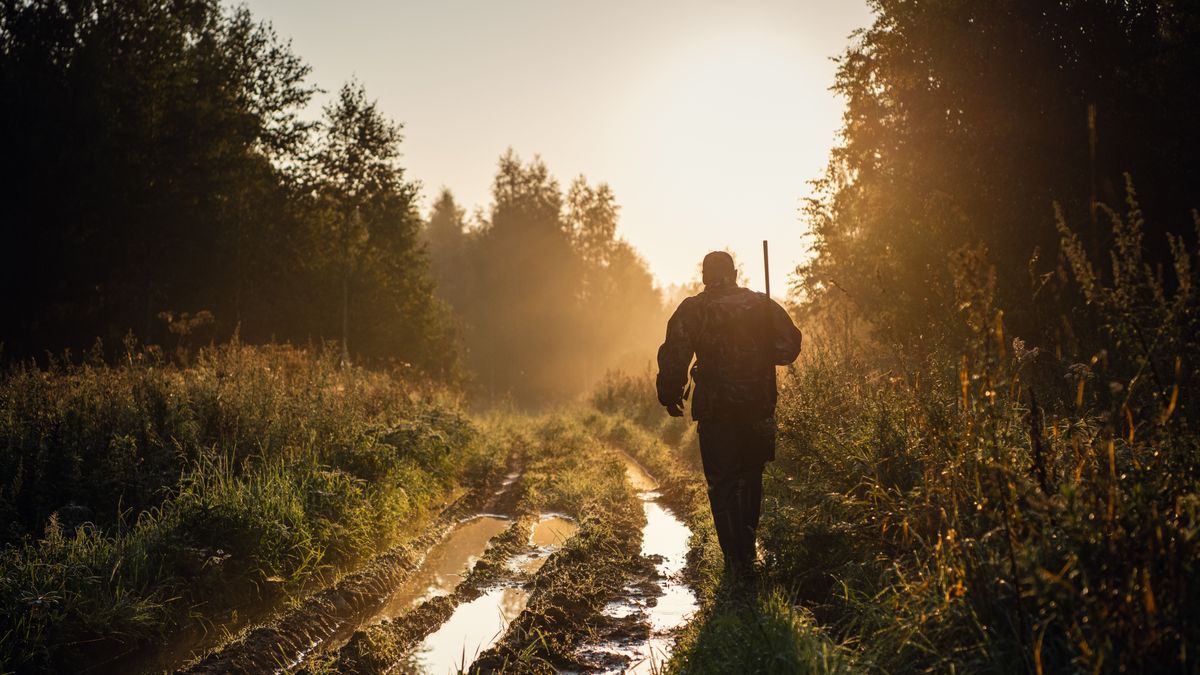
x,y
446,564
638,477
664,540
666,536
553,531
474,627
549,534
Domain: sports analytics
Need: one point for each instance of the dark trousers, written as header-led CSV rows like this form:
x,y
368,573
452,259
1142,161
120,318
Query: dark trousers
x,y
734,455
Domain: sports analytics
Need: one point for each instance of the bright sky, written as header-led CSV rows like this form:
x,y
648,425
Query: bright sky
x,y
707,118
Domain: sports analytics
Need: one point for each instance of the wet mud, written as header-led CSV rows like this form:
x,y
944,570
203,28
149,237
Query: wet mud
x,y
445,633
296,635
494,588
638,628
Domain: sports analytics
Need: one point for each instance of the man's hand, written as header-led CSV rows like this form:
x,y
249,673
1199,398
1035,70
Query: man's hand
x,y
675,409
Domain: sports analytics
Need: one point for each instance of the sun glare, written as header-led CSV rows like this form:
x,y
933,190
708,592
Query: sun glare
x,y
728,140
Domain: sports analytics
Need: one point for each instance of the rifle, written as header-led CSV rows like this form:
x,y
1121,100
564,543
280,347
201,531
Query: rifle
x,y
767,317
766,269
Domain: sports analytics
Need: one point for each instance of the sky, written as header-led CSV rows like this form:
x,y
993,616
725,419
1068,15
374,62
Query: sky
x,y
707,119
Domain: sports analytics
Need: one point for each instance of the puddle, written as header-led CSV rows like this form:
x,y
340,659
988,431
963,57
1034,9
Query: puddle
x,y
549,534
553,531
669,602
445,565
474,627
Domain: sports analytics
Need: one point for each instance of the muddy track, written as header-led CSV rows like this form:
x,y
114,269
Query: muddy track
x,y
284,641
567,598
553,603
608,600
613,602
636,630
383,647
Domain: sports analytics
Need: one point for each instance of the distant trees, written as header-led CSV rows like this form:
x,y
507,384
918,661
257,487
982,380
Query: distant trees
x,y
548,294
446,239
368,229
157,168
966,120
156,162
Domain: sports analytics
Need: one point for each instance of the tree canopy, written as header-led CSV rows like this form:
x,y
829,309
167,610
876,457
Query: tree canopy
x,y
966,121
157,164
549,296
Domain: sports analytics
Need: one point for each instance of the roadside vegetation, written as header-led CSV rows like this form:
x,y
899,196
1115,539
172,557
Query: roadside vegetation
x,y
564,469
1011,507
145,497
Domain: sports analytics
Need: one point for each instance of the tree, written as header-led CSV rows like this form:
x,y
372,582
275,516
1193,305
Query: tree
x,y
549,297
157,165
447,239
366,219
966,120
143,146
624,308
592,217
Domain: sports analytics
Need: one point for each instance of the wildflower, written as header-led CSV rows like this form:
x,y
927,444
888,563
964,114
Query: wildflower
x,y
1021,353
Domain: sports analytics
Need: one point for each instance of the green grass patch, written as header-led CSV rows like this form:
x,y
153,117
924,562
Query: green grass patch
x,y
167,494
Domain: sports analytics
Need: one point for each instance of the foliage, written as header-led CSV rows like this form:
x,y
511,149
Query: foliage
x,y
144,494
1019,507
370,254
157,164
549,296
965,120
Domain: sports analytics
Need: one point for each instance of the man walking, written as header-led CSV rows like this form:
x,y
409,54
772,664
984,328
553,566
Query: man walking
x,y
738,337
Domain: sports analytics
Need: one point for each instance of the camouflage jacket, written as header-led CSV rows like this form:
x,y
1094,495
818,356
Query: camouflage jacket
x,y
738,337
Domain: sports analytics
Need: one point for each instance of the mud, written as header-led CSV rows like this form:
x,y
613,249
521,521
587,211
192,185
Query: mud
x,y
444,634
446,565
638,628
390,643
296,634
570,591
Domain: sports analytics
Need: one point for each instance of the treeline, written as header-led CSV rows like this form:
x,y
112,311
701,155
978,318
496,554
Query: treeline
x,y
158,174
1006,418
161,179
966,122
549,296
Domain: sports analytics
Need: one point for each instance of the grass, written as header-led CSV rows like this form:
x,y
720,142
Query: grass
x,y
145,496
1008,507
769,635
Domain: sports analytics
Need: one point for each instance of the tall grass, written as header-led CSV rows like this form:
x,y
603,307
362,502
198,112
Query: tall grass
x,y
1011,507
1007,507
146,494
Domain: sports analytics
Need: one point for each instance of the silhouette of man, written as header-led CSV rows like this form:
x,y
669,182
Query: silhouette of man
x,y
738,337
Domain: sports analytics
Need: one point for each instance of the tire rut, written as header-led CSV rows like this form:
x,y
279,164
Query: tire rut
x,y
284,642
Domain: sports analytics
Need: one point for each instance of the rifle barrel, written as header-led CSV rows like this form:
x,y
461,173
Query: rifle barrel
x,y
766,268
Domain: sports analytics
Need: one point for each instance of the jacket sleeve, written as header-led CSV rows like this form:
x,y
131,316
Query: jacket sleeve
x,y
675,355
786,337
